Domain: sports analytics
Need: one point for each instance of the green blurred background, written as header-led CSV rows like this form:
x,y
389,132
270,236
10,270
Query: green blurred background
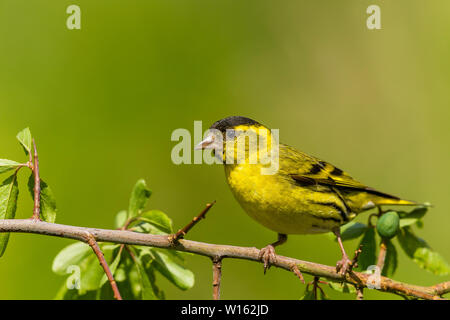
x,y
103,101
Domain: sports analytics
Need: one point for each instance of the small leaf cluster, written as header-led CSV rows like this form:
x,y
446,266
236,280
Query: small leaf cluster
x,y
9,188
135,268
387,229
315,291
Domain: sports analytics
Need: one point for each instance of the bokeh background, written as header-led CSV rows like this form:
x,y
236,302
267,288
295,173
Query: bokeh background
x,y
103,101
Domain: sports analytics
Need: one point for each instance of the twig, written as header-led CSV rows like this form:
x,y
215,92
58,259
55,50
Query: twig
x,y
382,254
354,264
90,239
127,223
37,185
217,275
441,288
221,251
131,254
315,284
182,232
355,258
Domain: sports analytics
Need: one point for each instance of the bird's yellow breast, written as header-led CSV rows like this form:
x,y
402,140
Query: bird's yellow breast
x,y
276,203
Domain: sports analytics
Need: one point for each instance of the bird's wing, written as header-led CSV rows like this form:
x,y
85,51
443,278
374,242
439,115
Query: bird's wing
x,y
315,171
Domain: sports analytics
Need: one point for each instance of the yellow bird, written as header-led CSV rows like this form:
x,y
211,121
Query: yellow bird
x,y
304,195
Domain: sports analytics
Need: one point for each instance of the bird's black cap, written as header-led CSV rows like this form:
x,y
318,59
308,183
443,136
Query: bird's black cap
x,y
231,122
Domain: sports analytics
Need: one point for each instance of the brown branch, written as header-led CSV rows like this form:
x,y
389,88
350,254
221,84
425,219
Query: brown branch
x,y
182,232
37,185
441,288
217,275
219,251
90,239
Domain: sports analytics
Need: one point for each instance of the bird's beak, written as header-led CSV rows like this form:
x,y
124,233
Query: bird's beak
x,y
207,143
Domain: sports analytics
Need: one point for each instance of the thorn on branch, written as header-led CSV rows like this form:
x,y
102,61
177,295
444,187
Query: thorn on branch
x,y
297,272
173,238
355,258
90,239
217,274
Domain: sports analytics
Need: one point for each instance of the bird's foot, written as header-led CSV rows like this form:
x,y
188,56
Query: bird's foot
x,y
268,256
344,265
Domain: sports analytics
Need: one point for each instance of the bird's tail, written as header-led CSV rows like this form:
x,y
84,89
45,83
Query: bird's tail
x,y
400,202
387,199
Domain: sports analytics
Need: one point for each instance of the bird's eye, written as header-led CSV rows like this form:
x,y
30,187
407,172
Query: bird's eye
x,y
231,134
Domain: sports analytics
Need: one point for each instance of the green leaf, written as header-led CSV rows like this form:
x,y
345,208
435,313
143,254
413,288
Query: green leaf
x,y
173,271
91,274
65,293
62,292
110,246
368,254
342,287
152,277
409,242
127,279
120,274
322,295
139,198
48,201
6,165
121,218
134,280
353,230
71,255
308,295
147,292
9,190
431,261
178,255
420,252
25,139
145,227
409,218
391,261
158,219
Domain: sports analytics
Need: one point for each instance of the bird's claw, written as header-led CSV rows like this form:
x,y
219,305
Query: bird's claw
x,y
344,266
267,255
